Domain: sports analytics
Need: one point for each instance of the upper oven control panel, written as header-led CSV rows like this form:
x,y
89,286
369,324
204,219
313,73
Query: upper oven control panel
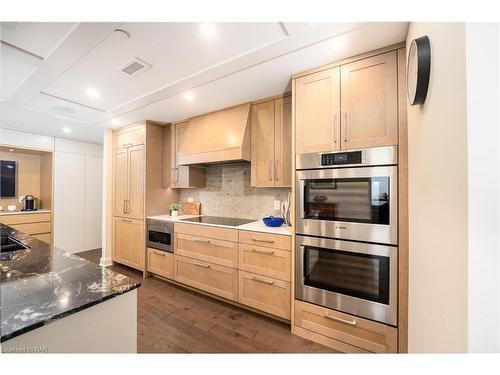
x,y
341,158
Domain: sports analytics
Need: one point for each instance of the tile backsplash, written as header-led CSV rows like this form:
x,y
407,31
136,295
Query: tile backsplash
x,y
228,193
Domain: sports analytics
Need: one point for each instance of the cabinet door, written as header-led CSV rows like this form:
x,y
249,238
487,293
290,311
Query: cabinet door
x,y
317,111
120,181
128,242
181,172
263,144
369,102
135,201
283,142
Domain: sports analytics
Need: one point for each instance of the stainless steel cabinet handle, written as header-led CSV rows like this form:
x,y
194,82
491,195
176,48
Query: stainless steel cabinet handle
x,y
270,170
202,265
128,206
159,253
259,280
127,144
350,322
263,252
257,240
124,206
201,240
334,129
127,220
345,135
276,170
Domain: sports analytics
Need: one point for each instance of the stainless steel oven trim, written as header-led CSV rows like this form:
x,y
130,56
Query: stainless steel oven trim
x,y
387,155
163,227
385,234
336,301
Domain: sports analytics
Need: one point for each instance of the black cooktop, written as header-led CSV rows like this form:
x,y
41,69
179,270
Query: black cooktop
x,y
217,220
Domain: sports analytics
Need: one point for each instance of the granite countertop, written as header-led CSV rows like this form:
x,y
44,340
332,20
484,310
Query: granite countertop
x,y
42,284
254,226
40,211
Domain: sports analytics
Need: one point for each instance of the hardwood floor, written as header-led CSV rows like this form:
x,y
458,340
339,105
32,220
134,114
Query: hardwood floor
x,y
172,319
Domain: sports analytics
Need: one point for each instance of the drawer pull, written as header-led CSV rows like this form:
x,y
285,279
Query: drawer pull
x,y
202,265
159,253
200,240
127,220
259,280
350,322
262,252
266,241
127,144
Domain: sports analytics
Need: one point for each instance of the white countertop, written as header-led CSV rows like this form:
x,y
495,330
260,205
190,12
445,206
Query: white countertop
x,y
254,226
40,211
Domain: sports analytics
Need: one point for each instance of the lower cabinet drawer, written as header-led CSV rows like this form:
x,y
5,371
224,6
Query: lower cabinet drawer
x,y
352,330
45,237
206,249
32,228
25,218
265,261
161,263
212,278
264,293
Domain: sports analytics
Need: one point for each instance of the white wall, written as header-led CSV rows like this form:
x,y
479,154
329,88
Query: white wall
x,y
78,195
483,166
26,139
437,157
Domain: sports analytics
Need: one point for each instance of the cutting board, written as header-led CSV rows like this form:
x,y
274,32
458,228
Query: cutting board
x,y
191,208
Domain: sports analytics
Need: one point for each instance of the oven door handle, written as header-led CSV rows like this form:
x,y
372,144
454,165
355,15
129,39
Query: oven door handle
x,y
301,199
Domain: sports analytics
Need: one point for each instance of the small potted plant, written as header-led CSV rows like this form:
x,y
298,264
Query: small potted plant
x,y
174,209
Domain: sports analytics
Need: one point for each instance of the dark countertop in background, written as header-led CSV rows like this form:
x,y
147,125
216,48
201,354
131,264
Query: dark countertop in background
x,y
42,284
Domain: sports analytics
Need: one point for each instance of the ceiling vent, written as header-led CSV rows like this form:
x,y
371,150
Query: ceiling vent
x,y
135,67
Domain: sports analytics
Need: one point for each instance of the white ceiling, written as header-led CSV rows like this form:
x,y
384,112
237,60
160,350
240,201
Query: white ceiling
x,y
56,75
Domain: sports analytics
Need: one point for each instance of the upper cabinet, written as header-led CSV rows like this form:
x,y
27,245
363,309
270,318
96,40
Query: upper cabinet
x,y
271,143
175,175
348,107
318,111
370,102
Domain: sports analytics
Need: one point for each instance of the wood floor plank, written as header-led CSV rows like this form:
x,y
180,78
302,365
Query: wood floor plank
x,y
173,319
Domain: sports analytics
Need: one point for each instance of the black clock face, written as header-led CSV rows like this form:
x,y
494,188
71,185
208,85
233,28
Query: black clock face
x,y
418,70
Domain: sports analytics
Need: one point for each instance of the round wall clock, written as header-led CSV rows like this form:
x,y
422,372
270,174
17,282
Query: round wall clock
x,y
418,70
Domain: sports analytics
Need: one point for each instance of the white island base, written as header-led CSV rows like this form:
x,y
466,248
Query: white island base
x,y
108,327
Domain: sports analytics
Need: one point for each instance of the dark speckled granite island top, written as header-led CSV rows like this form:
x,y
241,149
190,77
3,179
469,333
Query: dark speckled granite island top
x,y
41,284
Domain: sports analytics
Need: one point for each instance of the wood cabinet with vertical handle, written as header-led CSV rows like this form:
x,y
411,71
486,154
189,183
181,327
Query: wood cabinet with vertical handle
x,y
271,143
128,242
175,175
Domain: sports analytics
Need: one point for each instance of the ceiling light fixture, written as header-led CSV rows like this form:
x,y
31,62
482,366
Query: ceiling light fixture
x,y
208,29
92,93
66,130
11,149
188,96
115,121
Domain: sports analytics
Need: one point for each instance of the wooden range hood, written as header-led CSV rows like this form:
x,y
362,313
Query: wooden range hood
x,y
217,137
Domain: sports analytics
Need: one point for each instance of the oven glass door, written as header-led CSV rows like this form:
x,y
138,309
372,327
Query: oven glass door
x,y
358,200
353,274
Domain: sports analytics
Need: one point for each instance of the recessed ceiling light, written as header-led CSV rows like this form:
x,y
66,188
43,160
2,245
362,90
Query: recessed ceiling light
x,y
66,130
11,149
92,93
188,95
337,44
115,121
208,29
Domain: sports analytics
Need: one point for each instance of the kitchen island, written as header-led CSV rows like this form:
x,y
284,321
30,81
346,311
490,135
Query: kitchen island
x,y
52,301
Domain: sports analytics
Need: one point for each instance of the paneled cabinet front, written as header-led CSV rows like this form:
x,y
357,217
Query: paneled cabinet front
x,y
348,107
128,242
129,182
271,143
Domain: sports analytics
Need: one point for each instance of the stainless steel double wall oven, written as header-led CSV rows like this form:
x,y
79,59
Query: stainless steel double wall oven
x,y
347,231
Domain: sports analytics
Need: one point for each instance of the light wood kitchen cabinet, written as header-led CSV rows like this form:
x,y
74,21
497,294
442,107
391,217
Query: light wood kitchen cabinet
x,y
264,293
128,179
38,225
211,250
271,143
129,136
317,111
345,332
128,242
369,91
271,240
265,261
160,263
213,278
175,175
